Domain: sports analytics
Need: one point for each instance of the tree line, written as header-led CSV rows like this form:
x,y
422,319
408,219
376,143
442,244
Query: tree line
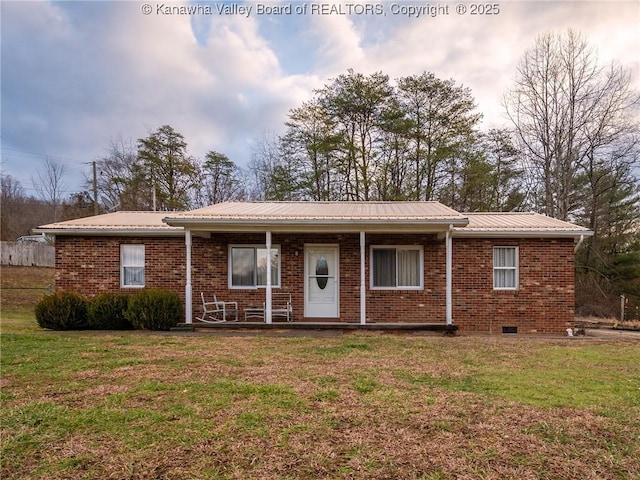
x,y
361,138
571,150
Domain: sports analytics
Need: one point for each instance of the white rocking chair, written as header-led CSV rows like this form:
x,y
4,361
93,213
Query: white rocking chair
x,y
218,310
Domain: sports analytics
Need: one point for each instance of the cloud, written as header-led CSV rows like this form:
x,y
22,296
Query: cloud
x,y
77,74
338,44
75,85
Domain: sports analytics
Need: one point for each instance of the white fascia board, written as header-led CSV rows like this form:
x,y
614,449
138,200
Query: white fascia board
x,y
318,228
523,234
110,232
312,225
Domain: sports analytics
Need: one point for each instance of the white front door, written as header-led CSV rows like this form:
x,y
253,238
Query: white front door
x,y
321,287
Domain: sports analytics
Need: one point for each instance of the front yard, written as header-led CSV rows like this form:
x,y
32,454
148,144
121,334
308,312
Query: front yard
x,y
138,405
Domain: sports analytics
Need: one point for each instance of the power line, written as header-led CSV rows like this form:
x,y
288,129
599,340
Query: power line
x,y
26,153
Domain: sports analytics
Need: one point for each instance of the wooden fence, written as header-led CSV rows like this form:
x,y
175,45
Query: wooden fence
x,y
30,254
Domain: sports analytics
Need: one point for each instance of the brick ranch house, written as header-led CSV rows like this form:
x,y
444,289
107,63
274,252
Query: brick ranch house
x,y
354,262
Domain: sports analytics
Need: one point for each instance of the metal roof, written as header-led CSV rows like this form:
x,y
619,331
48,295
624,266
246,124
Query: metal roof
x,y
319,216
329,216
323,210
518,224
127,223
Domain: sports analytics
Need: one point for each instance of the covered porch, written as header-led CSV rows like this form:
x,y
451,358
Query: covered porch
x,y
314,328
347,265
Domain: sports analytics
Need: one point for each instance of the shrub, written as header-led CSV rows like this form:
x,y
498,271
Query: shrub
x,y
107,312
62,311
154,310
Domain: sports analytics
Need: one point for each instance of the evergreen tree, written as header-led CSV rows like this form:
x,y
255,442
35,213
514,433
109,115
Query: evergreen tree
x,y
442,121
164,166
220,180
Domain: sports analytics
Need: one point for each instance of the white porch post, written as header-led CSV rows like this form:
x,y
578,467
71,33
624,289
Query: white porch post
x,y
448,246
188,300
363,280
267,311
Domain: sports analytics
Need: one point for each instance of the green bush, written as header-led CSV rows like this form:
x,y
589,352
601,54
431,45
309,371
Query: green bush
x,y
154,310
62,311
107,312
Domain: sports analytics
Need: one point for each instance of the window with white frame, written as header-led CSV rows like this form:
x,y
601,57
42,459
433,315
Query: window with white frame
x,y
505,268
397,267
248,266
132,266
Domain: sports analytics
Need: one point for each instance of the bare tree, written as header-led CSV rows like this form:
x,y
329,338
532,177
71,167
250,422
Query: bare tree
x,y
12,201
19,213
49,184
275,177
566,108
578,135
116,174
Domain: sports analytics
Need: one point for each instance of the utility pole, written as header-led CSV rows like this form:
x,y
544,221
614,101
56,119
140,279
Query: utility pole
x,y
95,189
153,186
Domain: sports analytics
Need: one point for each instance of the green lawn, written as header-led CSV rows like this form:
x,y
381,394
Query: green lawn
x,y
136,405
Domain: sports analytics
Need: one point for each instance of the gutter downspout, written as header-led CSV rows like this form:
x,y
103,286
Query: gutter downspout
x,y
448,267
575,249
363,282
188,296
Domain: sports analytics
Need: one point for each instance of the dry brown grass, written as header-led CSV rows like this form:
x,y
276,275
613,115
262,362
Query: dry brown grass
x,y
135,405
141,406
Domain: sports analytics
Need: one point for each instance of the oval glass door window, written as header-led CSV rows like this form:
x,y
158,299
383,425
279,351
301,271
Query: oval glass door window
x,y
322,271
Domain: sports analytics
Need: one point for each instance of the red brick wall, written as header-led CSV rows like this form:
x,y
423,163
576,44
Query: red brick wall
x,y
411,306
210,270
382,305
91,265
543,303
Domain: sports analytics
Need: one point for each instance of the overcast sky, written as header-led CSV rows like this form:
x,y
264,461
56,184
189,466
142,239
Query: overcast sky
x,y
77,74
